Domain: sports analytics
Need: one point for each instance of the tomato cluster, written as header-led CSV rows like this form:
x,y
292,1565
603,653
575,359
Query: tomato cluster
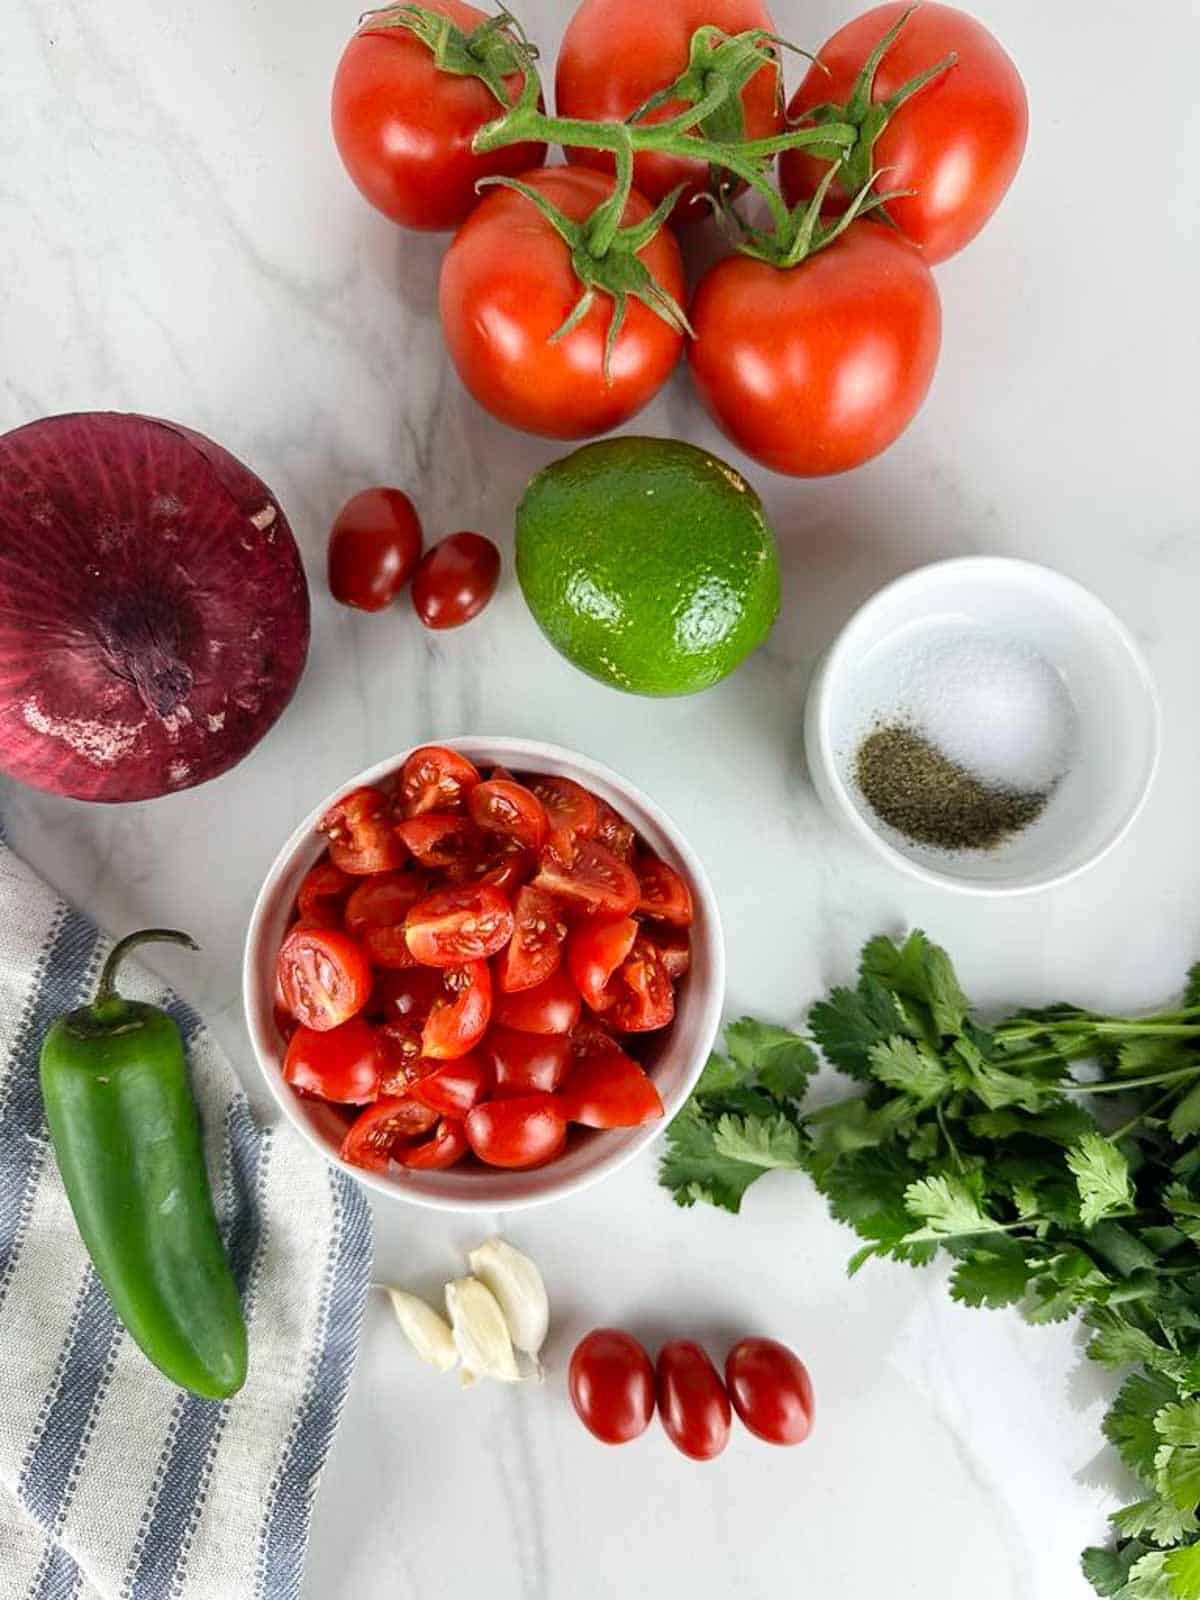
x,y
814,359
615,1388
471,961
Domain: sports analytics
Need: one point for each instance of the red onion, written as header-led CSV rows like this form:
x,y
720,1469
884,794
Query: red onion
x,y
153,607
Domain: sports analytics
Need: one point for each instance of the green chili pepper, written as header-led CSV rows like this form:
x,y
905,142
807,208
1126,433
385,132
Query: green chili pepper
x,y
125,1131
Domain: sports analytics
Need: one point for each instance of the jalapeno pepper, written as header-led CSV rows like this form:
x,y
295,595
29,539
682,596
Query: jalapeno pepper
x,y
125,1131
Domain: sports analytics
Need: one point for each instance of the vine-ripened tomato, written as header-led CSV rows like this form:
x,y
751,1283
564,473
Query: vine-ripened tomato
x,y
361,839
324,976
595,950
814,369
341,1064
552,1007
524,1132
957,143
692,1401
645,995
770,1390
445,1146
524,1062
377,1133
511,810
373,548
664,897
612,1385
535,949
434,778
459,1019
584,872
404,128
455,580
453,1087
321,894
507,286
567,804
451,926
617,53
607,1089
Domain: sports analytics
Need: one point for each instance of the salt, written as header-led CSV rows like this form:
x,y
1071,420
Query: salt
x,y
988,700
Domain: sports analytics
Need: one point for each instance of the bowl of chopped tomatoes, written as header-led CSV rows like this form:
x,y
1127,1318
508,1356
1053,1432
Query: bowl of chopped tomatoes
x,y
484,974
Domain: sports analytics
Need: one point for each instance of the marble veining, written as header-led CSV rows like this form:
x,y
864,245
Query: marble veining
x,y
176,237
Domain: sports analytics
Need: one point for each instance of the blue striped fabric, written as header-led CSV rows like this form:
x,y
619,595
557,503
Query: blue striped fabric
x,y
132,1490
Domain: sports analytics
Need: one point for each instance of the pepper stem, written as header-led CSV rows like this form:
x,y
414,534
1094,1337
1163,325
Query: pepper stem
x,y
106,992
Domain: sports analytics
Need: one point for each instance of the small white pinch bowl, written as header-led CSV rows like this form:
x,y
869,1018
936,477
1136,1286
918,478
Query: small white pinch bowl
x,y
675,1060
1117,719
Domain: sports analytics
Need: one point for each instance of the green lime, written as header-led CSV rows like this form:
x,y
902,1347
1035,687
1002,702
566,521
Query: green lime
x,y
648,563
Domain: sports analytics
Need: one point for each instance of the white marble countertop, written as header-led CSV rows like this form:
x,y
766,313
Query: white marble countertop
x,y
177,237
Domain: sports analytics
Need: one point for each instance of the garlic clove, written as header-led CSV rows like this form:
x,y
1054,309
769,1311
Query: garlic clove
x,y
429,1334
480,1332
518,1287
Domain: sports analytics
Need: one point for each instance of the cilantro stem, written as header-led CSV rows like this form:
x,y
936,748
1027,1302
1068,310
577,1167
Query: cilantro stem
x,y
1125,1085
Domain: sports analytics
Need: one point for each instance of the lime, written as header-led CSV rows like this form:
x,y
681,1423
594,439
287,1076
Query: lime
x,y
648,563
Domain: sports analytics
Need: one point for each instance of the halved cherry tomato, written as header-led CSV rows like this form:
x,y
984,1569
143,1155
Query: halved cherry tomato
x,y
509,809
459,1020
405,996
594,952
360,835
341,1064
609,1090
455,1086
525,1132
584,872
400,1049
535,949
321,894
508,870
376,1133
501,775
451,926
285,1022
664,894
591,1038
439,839
645,995
771,1390
324,976
434,779
567,804
442,1149
375,913
524,1062
692,1401
552,1007
675,948
613,832
612,1385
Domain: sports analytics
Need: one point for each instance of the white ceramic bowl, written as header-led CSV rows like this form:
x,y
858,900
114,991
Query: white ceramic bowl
x,y
1116,708
675,1060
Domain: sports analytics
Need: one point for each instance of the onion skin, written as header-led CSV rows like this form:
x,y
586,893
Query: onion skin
x,y
154,614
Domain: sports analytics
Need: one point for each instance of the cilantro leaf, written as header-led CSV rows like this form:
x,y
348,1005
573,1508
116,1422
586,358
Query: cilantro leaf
x,y
1148,1579
694,1169
919,970
1129,1423
763,1142
1184,1209
911,1068
990,1280
1182,1567
719,1076
780,1060
1177,1462
1164,1523
1116,1342
1185,1118
1108,1570
1102,1177
947,1208
1191,994
850,1021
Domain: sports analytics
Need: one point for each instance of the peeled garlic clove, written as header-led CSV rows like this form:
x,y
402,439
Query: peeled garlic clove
x,y
429,1334
480,1331
517,1285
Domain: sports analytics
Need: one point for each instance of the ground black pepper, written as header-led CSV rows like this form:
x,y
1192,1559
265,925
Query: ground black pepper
x,y
920,792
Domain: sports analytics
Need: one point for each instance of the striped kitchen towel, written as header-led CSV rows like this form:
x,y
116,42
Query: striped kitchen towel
x,y
114,1484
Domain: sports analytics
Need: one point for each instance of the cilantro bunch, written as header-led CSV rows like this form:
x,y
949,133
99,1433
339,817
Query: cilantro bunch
x,y
1054,1156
